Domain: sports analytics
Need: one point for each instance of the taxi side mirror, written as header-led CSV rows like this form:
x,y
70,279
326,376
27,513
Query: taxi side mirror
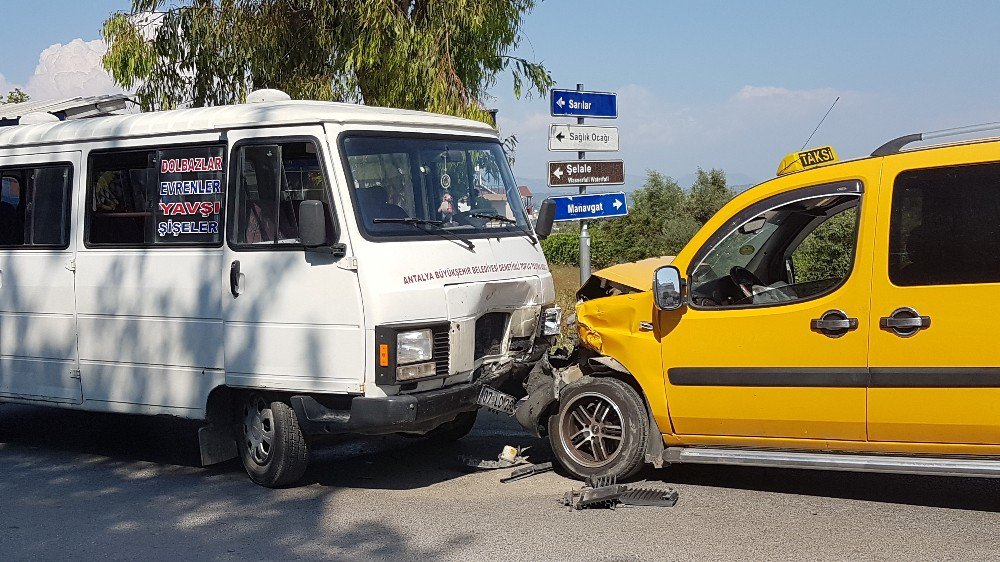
x,y
668,288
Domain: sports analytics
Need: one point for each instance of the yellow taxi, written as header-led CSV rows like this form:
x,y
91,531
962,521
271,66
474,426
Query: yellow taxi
x,y
743,349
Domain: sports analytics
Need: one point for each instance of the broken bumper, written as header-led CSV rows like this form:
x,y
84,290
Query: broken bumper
x,y
410,413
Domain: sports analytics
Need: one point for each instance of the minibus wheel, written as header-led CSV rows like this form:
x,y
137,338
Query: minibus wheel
x,y
272,446
600,429
453,430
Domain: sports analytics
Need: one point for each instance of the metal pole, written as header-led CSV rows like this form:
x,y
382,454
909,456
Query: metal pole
x,y
584,232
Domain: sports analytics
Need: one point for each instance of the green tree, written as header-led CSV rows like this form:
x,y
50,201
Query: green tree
x,y
708,194
657,225
827,252
15,96
434,55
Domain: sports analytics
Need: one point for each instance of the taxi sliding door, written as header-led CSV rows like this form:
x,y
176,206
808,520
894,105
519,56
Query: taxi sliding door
x,y
935,364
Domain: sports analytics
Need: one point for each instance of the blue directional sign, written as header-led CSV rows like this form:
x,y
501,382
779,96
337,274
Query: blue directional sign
x,y
591,206
571,103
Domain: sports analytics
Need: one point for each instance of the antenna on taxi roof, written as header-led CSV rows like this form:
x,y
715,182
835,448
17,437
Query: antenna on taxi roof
x,y
820,123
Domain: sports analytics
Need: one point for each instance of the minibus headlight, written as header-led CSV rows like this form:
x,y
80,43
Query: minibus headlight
x,y
414,346
551,321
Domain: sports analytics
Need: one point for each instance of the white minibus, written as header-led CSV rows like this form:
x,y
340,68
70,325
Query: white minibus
x,y
282,270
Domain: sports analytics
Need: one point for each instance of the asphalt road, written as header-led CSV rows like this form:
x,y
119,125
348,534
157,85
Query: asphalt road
x,y
106,487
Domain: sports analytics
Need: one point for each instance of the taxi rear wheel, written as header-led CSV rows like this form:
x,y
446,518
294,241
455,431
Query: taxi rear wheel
x,y
600,429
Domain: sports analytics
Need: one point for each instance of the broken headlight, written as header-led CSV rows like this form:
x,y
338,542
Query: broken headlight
x,y
551,321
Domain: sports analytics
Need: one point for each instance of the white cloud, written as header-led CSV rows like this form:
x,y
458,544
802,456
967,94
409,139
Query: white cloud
x,y
70,70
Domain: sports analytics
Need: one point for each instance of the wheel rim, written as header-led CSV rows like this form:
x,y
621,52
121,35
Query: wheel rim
x,y
258,430
592,430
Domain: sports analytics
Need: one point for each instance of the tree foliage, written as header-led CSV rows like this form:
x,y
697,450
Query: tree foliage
x,y
662,218
822,255
15,96
434,55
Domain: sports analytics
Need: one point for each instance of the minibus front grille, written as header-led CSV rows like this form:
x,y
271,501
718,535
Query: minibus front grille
x,y
490,331
442,351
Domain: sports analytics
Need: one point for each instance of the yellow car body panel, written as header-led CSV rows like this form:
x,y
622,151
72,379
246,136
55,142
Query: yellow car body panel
x,y
637,275
899,417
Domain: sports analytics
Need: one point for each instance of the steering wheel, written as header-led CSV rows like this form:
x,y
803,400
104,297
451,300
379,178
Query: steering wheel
x,y
744,279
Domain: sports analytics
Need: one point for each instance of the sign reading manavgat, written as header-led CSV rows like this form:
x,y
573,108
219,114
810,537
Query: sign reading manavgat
x,y
571,103
586,172
583,138
592,206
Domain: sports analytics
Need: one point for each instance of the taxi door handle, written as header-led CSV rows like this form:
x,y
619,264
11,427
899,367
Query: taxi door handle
x,y
905,322
834,323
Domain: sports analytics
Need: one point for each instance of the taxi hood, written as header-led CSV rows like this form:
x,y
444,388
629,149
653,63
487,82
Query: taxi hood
x,y
623,278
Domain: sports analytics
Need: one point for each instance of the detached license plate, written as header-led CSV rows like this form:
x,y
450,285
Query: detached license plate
x,y
493,399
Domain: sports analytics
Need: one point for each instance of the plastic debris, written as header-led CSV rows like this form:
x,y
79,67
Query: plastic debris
x,y
509,457
605,492
527,471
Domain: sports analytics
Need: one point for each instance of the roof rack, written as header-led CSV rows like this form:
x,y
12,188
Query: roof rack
x,y
896,144
64,109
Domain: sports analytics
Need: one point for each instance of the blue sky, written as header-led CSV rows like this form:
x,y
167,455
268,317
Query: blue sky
x,y
732,85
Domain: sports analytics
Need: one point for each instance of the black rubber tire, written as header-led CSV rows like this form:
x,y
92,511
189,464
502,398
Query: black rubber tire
x,y
630,457
454,429
288,455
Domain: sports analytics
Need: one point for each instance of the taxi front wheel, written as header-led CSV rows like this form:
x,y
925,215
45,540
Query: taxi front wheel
x,y
600,429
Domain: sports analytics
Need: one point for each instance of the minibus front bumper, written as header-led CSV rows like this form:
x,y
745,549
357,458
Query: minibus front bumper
x,y
406,413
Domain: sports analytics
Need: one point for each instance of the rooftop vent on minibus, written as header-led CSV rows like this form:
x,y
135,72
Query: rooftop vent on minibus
x,y
266,95
36,117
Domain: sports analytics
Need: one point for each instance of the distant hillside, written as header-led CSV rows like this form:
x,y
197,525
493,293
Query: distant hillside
x,y
538,186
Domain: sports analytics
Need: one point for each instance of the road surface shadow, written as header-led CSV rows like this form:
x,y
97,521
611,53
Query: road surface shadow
x,y
397,463
978,494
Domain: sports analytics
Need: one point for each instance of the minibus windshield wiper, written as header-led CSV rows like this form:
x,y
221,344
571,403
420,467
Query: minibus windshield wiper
x,y
509,220
422,223
493,217
408,220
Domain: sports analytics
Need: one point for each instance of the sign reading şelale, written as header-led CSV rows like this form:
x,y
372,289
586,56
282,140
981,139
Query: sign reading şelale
x,y
586,172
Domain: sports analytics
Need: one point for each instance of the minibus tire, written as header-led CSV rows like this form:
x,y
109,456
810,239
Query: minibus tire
x,y
285,459
620,407
454,429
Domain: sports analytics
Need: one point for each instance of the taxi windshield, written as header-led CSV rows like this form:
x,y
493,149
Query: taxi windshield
x,y
415,186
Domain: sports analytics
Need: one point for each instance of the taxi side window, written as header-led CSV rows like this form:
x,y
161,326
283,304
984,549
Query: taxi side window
x,y
944,227
779,254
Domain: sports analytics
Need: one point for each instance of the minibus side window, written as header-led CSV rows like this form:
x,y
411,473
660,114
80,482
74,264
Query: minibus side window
x,y
34,206
170,196
271,182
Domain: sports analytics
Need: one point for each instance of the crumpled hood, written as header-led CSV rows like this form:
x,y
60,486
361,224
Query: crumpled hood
x,y
628,277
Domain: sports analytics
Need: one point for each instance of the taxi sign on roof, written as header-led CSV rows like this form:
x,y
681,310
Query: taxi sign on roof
x,y
798,161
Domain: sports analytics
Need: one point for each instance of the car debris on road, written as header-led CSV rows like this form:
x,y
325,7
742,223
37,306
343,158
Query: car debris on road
x,y
605,492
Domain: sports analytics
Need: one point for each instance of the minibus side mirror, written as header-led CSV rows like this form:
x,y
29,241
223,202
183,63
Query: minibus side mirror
x,y
668,288
315,228
546,214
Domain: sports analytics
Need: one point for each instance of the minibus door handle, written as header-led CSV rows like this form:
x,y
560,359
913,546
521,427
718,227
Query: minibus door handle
x,y
234,278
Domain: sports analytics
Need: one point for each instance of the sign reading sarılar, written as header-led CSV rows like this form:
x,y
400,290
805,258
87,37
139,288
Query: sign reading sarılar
x,y
190,188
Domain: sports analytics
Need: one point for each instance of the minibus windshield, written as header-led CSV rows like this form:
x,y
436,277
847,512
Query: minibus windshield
x,y
415,186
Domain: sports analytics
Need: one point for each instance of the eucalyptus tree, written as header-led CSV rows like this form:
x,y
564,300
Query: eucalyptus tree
x,y
435,55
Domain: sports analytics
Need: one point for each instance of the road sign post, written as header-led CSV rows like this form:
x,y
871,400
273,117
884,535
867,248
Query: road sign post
x,y
582,172
583,137
590,206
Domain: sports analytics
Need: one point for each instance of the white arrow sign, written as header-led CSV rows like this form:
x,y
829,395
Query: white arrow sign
x,y
560,102
617,204
558,173
583,137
